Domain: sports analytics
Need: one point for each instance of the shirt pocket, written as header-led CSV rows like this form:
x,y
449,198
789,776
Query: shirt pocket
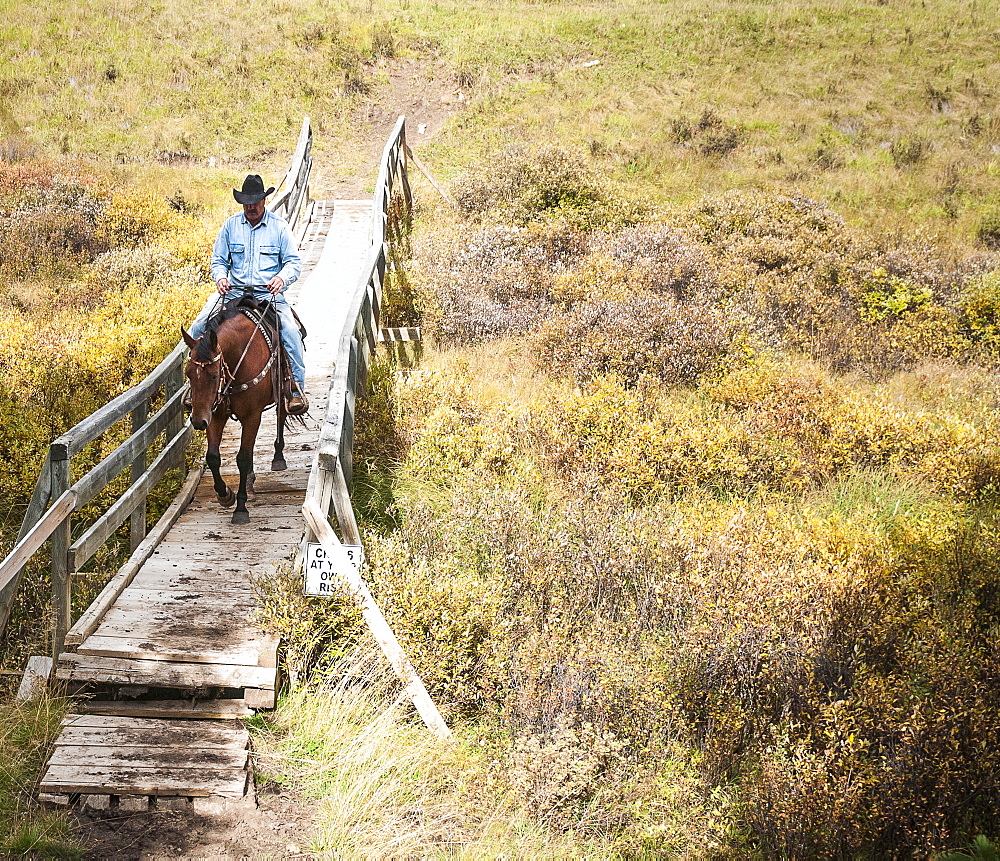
x,y
269,254
237,250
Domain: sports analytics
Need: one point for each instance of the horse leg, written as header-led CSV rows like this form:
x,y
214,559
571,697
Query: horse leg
x,y
278,464
244,460
214,461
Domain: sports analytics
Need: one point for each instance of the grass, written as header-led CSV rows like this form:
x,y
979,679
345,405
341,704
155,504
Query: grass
x,y
27,731
384,786
885,111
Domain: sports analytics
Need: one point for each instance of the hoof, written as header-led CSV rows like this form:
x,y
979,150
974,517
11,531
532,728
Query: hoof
x,y
278,465
228,500
240,518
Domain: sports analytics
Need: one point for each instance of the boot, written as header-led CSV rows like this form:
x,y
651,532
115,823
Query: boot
x,y
296,403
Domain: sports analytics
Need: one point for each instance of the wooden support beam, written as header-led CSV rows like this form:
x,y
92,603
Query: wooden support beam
x,y
379,627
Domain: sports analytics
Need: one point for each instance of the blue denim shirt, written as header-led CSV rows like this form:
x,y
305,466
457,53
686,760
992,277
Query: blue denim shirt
x,y
252,256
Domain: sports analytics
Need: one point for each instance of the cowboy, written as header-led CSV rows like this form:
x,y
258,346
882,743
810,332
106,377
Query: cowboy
x,y
256,252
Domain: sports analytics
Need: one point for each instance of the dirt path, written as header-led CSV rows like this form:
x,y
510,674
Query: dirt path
x,y
424,91
280,826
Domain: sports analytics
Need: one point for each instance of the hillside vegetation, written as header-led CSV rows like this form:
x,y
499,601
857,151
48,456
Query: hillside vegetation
x,y
689,516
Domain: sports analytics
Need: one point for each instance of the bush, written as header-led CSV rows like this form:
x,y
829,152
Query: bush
x,y
979,306
520,186
988,231
676,342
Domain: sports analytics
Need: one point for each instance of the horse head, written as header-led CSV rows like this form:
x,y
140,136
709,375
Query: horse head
x,y
204,372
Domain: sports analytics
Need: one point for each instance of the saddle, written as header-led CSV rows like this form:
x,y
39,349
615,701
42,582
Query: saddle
x,y
263,313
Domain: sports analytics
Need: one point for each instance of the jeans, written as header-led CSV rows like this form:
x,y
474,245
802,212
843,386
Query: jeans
x,y
290,336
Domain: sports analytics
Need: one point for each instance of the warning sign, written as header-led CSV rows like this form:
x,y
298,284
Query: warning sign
x,y
325,571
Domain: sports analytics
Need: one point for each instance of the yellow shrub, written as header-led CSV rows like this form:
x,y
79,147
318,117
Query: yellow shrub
x,y
134,215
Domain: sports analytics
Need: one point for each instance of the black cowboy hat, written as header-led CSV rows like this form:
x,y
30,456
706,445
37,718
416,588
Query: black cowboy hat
x,y
253,190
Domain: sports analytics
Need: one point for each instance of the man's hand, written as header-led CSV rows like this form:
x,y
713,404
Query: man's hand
x,y
222,286
275,285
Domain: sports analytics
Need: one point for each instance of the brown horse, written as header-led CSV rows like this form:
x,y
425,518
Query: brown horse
x,y
235,369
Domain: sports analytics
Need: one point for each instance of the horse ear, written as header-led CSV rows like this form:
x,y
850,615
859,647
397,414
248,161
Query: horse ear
x,y
188,339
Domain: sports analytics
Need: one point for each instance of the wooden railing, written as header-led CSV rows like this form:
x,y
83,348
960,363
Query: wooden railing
x,y
332,470
54,484
43,522
291,200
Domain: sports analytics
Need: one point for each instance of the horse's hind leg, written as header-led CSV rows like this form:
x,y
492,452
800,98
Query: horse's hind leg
x,y
213,460
278,464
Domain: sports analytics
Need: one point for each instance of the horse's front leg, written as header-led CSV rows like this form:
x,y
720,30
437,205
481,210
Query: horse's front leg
x,y
244,460
214,460
278,464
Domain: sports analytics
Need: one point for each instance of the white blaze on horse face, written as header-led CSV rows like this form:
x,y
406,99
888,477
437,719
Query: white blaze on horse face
x,y
204,380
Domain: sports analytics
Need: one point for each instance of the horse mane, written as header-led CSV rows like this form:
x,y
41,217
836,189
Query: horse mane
x,y
205,348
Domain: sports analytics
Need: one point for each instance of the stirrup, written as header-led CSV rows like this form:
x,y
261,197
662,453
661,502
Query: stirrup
x,y
296,404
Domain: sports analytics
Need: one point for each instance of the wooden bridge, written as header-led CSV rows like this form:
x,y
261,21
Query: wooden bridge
x,y
170,655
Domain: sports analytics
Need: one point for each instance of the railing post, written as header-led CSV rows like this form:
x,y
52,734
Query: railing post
x,y
174,381
137,525
62,597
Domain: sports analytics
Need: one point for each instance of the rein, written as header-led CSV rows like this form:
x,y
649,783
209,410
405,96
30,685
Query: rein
x,y
227,378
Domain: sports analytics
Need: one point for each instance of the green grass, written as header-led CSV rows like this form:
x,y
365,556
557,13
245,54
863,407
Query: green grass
x,y
27,731
858,80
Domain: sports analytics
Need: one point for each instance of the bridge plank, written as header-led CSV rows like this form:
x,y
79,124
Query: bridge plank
x,y
184,710
121,671
151,779
252,652
146,755
179,600
199,730
149,646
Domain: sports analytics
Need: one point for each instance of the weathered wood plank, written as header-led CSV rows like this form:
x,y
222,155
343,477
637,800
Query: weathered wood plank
x,y
179,709
174,600
114,722
251,653
169,674
221,581
190,735
163,780
197,621
148,756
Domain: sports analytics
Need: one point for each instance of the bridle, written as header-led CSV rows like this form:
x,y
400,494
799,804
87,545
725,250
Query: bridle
x,y
227,378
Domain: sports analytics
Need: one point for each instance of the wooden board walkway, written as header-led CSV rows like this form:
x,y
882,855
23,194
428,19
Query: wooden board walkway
x,y
182,641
